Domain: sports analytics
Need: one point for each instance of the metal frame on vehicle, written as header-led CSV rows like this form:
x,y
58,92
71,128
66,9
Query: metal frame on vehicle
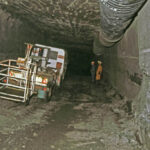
x,y
25,84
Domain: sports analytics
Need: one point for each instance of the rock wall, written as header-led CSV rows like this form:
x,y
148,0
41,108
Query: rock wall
x,y
142,104
64,21
127,68
13,35
121,64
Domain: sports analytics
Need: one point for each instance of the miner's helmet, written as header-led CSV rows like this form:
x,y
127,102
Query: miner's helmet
x,y
99,62
92,62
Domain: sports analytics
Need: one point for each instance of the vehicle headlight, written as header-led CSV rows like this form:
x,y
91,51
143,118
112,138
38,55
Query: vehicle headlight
x,y
39,79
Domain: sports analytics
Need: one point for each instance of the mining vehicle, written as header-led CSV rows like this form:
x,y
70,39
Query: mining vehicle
x,y
42,69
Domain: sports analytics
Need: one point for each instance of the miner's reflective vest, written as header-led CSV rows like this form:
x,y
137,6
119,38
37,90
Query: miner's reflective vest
x,y
99,72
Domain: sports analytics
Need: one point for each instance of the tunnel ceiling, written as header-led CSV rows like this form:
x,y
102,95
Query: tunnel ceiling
x,y
67,23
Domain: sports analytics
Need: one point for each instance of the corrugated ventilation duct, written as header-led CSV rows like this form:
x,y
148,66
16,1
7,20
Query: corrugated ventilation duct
x,y
116,16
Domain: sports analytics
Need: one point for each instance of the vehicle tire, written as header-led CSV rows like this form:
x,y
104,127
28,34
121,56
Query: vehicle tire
x,y
27,102
49,94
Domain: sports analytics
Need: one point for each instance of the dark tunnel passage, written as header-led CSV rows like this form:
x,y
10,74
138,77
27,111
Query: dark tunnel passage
x,y
112,114
79,62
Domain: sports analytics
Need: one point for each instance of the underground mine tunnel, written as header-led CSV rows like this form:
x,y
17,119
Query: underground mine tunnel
x,y
113,115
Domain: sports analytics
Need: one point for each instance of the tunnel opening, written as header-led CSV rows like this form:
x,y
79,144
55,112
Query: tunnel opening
x,y
79,62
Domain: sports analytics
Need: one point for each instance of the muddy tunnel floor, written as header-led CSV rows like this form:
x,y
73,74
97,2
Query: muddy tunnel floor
x,y
80,116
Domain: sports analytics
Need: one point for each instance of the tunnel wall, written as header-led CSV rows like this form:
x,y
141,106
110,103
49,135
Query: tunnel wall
x,y
127,68
142,104
13,35
121,64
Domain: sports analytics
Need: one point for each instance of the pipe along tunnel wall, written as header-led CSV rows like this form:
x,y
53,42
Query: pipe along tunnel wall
x,y
126,64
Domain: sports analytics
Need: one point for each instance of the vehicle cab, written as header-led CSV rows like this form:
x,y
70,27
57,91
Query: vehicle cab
x,y
52,58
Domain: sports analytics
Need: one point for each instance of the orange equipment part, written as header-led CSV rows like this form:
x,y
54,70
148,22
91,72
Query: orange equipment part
x,y
58,65
29,46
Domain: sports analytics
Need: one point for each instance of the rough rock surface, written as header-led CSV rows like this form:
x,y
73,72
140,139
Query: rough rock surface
x,y
64,22
13,34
